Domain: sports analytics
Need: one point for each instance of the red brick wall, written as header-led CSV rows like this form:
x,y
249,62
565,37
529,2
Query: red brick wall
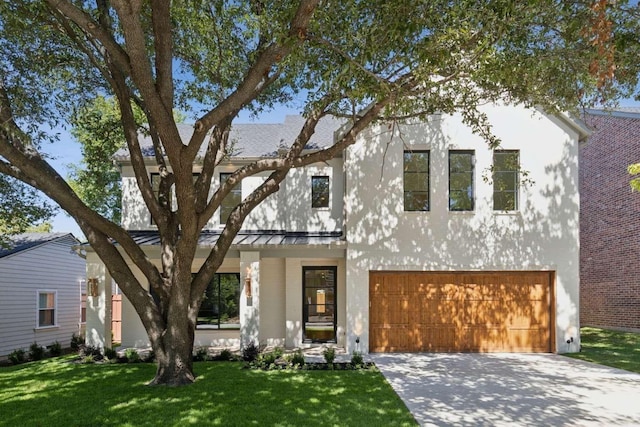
x,y
609,225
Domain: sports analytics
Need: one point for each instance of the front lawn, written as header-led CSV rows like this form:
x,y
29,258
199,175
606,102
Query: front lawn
x,y
55,392
611,348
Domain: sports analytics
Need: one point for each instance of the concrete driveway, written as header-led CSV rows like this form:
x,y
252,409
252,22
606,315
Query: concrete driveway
x,y
511,390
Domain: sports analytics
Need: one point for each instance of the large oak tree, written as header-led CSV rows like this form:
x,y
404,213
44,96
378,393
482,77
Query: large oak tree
x,y
361,60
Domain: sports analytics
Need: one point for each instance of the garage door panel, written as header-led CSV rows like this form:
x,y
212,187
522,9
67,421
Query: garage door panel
x,y
431,311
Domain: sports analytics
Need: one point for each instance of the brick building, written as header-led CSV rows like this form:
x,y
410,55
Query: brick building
x,y
610,222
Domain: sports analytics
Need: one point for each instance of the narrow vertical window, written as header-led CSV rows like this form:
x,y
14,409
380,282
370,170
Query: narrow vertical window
x,y
232,199
319,191
220,307
46,308
506,164
461,197
416,180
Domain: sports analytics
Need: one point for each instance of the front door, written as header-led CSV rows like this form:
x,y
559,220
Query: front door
x,y
319,303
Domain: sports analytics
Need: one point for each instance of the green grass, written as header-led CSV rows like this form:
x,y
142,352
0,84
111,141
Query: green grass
x,y
611,348
55,392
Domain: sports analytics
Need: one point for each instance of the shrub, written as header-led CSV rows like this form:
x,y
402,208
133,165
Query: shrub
x,y
297,358
132,356
267,359
88,359
55,349
200,355
89,350
150,357
17,356
225,355
110,353
356,359
250,352
36,351
329,354
76,342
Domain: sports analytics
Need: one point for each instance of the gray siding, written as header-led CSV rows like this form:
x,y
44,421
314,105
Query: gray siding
x,y
51,266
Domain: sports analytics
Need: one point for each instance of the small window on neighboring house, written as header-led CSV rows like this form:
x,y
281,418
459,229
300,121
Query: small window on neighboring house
x,y
319,191
155,186
46,308
461,164
506,164
416,180
232,200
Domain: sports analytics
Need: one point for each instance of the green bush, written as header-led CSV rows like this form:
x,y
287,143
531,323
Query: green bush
x,y
200,355
356,359
55,349
150,357
329,354
110,353
267,359
36,351
225,355
297,358
76,342
17,356
132,356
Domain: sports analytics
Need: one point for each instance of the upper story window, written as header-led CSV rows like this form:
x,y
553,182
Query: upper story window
x,y
461,164
416,180
506,164
232,199
220,308
46,308
320,191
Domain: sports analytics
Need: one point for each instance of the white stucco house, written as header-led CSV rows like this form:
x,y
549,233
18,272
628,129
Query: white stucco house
x,y
417,238
41,280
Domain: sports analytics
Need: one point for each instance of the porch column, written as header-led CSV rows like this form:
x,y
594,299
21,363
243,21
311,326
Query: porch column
x,y
249,298
98,325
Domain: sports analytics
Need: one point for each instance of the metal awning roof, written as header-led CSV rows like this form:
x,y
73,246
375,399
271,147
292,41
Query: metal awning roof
x,y
269,238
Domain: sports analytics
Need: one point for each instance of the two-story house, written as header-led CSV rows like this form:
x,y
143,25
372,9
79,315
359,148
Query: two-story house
x,y
418,238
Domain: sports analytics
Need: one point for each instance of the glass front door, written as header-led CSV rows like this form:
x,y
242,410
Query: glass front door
x,y
319,303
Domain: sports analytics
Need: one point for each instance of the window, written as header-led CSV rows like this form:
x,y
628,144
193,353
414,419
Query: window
x,y
220,308
416,180
506,164
319,303
231,201
83,308
461,165
319,191
46,308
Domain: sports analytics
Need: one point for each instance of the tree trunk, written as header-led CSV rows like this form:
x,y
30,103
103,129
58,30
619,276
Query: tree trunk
x,y
175,360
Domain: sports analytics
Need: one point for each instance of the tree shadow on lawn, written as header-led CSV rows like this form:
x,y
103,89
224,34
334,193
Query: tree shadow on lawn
x,y
55,392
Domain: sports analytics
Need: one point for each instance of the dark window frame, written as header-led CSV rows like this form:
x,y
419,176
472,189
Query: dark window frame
x,y
409,193
305,304
320,200
225,211
499,194
470,189
216,280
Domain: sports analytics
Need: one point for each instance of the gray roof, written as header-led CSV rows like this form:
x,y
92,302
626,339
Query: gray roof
x,y
21,242
252,140
260,238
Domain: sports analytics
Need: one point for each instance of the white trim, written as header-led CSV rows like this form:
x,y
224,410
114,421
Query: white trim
x,y
55,308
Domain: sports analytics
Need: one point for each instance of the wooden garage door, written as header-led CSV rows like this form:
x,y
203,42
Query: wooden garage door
x,y
470,312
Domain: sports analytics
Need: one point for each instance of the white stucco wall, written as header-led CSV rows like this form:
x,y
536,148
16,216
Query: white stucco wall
x,y
541,235
288,209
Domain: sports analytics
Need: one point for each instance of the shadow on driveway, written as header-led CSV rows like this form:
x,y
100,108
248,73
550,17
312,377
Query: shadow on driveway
x,y
511,389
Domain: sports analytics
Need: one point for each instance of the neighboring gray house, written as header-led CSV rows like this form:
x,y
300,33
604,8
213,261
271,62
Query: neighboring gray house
x,y
41,280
